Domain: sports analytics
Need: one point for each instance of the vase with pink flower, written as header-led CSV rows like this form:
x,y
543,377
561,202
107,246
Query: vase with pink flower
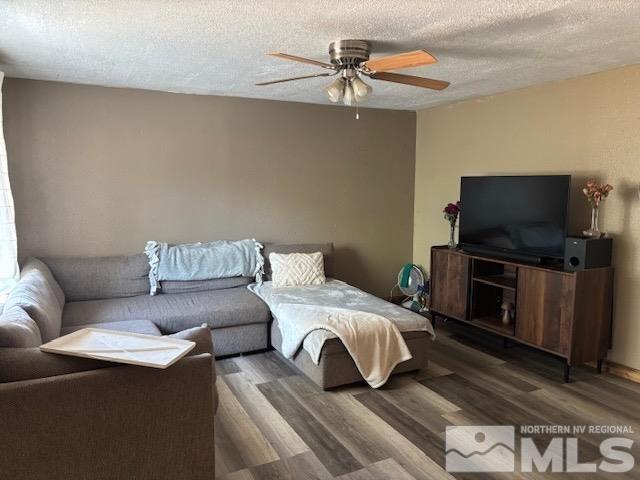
x,y
451,211
595,193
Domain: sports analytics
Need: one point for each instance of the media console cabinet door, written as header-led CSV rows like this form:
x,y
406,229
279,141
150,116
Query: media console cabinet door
x,y
449,283
544,309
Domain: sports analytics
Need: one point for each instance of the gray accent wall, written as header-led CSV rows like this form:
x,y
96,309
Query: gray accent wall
x,y
99,171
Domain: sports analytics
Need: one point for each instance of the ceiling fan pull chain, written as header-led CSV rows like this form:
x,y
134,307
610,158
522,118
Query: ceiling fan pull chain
x,y
357,114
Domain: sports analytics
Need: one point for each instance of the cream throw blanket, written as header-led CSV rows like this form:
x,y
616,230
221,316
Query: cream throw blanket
x,y
373,341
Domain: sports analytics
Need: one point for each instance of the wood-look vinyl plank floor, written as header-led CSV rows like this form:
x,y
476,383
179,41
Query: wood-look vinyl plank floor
x,y
264,367
609,396
240,432
431,443
275,424
244,474
329,411
226,366
418,402
334,456
382,470
227,455
433,370
304,466
277,431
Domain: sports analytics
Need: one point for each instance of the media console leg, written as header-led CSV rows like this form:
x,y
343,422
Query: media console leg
x,y
567,372
599,367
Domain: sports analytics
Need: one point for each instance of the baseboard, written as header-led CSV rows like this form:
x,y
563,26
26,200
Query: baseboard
x,y
619,370
623,371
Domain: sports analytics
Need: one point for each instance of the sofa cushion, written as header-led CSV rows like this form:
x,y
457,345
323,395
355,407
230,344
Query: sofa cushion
x,y
174,312
145,327
94,278
17,329
36,294
325,248
190,286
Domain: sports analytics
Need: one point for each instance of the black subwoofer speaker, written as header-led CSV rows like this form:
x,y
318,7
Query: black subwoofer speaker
x,y
581,253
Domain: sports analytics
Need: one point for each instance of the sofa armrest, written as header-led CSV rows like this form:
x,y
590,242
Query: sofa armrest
x,y
108,423
17,364
200,335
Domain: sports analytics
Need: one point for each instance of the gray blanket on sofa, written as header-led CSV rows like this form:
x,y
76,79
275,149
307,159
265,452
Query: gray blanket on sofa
x,y
203,261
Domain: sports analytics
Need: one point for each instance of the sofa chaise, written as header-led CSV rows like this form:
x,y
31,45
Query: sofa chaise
x,y
335,366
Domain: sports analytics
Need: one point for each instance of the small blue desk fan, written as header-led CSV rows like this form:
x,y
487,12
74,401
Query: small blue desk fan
x,y
411,284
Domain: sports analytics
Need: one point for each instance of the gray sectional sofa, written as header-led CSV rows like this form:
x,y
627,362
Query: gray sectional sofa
x,y
106,291
113,292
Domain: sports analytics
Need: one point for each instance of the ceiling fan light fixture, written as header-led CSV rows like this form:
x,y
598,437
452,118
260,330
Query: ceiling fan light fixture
x,y
334,89
360,88
349,95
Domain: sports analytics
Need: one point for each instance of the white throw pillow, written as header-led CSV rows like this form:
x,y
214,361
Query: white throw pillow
x,y
293,269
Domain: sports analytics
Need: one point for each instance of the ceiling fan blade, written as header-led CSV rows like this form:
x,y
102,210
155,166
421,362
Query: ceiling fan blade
x,y
286,56
416,58
296,78
410,80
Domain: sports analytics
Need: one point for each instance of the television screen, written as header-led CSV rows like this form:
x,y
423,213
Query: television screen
x,y
524,214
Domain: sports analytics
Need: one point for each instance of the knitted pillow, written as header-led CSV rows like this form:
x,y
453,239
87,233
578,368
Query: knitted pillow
x,y
297,269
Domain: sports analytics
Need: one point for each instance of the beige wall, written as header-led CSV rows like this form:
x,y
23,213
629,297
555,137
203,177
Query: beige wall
x,y
100,171
586,126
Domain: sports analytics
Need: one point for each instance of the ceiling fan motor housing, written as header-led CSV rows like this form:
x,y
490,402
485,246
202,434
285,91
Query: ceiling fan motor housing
x,y
349,53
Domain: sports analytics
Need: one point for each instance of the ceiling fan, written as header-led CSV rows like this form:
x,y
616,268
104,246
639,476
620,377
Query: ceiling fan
x,y
350,60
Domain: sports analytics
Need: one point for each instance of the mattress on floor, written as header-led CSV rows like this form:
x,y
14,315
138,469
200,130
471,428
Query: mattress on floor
x,y
336,367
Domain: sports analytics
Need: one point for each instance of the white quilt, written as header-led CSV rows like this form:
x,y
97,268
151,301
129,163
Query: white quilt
x,y
368,326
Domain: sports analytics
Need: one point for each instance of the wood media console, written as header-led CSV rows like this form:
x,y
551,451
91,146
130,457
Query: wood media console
x,y
564,313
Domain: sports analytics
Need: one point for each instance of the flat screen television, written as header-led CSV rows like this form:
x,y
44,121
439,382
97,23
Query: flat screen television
x,y
516,216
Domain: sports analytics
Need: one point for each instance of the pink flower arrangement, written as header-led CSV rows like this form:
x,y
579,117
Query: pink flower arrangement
x,y
451,211
596,192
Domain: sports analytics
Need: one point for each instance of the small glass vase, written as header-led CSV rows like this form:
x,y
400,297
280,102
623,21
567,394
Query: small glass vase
x,y
452,242
594,231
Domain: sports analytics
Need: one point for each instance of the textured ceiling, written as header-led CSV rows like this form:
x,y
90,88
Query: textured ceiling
x,y
217,47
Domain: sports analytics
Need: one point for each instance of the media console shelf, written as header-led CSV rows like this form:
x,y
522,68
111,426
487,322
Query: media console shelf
x,y
564,313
